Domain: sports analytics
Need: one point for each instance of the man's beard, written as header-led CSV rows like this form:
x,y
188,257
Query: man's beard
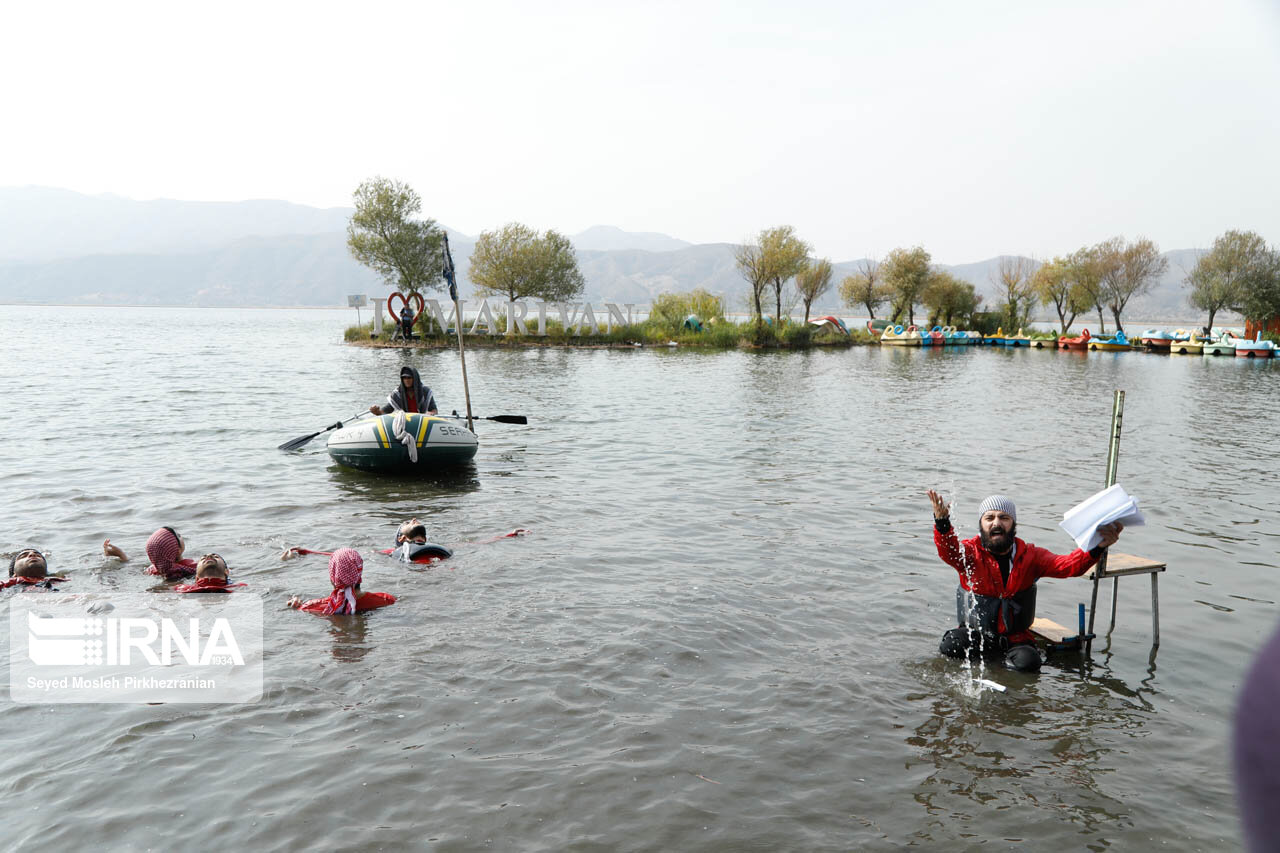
x,y
1006,542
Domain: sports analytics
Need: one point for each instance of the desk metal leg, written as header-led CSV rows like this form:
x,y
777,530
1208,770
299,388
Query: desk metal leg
x,y
1115,594
1155,609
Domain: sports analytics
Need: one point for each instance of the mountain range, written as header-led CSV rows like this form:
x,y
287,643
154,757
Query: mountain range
x,y
58,246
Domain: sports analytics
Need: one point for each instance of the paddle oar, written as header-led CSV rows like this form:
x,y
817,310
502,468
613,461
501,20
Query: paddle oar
x,y
294,444
451,276
502,419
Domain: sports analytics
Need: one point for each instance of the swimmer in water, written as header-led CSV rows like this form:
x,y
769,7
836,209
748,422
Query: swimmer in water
x,y
211,576
346,571
29,567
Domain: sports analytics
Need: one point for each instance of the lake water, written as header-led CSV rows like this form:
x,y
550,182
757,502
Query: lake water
x,y
721,633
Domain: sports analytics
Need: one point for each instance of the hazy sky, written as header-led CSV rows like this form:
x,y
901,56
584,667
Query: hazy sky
x,y
971,128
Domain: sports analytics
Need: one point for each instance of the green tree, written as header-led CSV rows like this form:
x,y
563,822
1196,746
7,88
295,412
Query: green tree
x,y
670,309
948,298
906,272
1013,276
1237,266
785,256
1087,269
516,263
1261,300
1056,283
384,236
1128,269
864,288
812,282
751,263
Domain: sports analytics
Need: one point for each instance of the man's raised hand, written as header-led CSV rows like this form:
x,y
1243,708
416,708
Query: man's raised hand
x,y
940,508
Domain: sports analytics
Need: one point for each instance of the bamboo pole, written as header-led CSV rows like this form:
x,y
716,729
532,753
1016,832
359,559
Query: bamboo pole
x,y
452,278
1113,462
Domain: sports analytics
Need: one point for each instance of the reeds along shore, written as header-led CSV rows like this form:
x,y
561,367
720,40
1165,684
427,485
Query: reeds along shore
x,y
721,333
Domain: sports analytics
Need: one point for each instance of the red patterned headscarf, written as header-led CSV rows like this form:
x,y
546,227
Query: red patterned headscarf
x,y
346,568
164,549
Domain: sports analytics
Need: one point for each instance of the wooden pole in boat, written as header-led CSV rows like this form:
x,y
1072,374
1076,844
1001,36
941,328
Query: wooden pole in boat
x,y
1113,461
451,276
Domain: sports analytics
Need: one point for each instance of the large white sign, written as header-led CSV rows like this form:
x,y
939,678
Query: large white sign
x,y
577,318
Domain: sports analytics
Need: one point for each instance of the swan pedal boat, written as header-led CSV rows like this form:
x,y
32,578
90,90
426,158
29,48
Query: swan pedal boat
x,y
1078,343
370,444
1256,348
900,337
1223,345
1116,343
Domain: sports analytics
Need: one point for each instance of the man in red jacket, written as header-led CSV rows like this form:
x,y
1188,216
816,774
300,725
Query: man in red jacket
x,y
996,599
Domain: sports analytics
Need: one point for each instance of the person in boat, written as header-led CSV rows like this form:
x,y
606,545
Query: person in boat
x,y
346,571
996,599
411,396
211,576
30,568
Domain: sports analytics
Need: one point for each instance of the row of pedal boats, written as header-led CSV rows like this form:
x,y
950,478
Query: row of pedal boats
x,y
1225,342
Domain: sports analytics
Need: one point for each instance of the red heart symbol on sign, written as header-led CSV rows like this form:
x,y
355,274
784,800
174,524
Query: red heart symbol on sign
x,y
395,315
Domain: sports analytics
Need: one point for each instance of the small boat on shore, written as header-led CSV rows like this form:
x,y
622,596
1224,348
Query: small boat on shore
x,y
1225,344
374,444
1078,343
1157,340
1019,340
1256,348
1116,343
900,337
1193,345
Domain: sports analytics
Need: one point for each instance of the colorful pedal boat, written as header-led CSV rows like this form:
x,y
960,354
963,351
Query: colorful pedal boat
x,y
1077,343
1225,344
1019,340
1116,343
1193,345
1256,348
900,337
1157,339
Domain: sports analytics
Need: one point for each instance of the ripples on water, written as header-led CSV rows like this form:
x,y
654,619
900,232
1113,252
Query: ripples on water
x,y
721,634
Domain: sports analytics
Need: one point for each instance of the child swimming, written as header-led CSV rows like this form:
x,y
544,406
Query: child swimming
x,y
346,570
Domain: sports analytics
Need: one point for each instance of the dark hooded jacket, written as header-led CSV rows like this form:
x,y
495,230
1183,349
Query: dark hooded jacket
x,y
396,401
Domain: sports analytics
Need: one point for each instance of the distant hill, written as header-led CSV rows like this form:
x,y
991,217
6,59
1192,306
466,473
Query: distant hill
x,y
40,223
607,238
64,247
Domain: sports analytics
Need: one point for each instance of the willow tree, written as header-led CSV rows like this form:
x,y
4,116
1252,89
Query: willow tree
x,y
1238,263
517,263
864,287
385,236
1128,269
785,256
948,298
1013,276
1087,270
1056,283
906,272
812,282
751,263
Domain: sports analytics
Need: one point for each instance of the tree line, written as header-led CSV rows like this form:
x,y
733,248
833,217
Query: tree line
x,y
514,261
1239,273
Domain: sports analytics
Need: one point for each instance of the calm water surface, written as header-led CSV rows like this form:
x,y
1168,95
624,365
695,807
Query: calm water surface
x,y
720,635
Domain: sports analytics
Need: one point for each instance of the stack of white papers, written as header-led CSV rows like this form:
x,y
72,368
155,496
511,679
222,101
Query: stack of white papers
x,y
1114,504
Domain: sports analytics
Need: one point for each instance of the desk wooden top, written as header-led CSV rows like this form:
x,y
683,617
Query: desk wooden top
x,y
1119,565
